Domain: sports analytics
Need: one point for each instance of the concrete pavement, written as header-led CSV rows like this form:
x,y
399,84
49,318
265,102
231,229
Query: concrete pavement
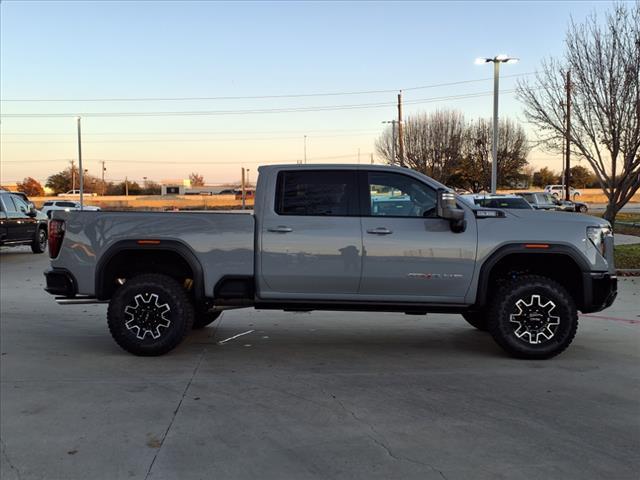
x,y
318,395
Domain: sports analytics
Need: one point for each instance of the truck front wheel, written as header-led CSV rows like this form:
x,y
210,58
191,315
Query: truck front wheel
x,y
533,317
150,315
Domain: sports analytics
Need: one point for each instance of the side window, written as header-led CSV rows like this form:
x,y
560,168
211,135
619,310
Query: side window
x,y
67,204
397,195
317,192
21,205
47,204
541,199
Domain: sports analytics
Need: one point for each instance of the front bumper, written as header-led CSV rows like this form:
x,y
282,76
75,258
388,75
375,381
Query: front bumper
x,y
600,290
60,282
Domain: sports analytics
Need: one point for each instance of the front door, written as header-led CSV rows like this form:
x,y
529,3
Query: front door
x,y
409,253
311,242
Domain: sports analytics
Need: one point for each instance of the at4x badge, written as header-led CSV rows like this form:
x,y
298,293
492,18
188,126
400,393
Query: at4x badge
x,y
435,276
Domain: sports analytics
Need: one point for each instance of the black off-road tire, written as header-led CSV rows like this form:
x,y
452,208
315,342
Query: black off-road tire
x,y
478,320
583,209
205,317
139,309
517,326
39,244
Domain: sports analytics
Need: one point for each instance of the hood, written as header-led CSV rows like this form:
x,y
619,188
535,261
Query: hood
x,y
558,217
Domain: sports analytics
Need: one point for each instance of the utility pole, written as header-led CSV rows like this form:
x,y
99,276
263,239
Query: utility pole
x,y
126,186
400,136
103,170
80,167
567,166
358,156
73,174
243,188
371,158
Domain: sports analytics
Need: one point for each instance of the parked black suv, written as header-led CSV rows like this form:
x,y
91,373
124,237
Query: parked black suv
x,y
21,223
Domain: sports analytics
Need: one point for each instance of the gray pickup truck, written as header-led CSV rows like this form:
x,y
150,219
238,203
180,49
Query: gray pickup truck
x,y
338,237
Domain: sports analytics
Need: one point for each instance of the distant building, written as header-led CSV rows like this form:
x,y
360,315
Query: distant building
x,y
174,187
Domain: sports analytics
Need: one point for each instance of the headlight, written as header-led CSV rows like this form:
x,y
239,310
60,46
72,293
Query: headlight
x,y
597,236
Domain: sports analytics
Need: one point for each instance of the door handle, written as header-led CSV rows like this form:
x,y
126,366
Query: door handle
x,y
379,231
280,229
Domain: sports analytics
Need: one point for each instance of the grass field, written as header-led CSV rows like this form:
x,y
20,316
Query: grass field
x,y
627,256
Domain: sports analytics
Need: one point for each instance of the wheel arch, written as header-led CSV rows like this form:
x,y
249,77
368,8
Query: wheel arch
x,y
562,263
170,257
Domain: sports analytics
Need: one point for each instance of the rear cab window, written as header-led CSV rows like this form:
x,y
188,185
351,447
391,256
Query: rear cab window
x,y
317,193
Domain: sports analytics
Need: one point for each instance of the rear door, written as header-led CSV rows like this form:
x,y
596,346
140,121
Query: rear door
x,y
26,225
311,242
409,253
4,222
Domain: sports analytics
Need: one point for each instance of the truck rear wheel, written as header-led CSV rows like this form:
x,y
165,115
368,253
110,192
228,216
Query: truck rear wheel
x,y
533,317
150,315
477,319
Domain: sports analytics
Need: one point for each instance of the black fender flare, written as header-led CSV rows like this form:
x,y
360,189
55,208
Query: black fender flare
x,y
521,247
175,246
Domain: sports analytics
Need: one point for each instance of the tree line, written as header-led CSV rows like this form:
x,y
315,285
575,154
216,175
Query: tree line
x,y
457,152
68,179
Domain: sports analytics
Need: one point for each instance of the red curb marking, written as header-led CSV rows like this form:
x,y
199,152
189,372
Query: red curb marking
x,y
623,320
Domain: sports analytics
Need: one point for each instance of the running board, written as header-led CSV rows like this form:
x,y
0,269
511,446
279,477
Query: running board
x,y
78,300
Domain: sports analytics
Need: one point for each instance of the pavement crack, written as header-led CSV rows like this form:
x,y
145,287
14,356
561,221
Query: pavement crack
x,y
8,460
175,412
377,438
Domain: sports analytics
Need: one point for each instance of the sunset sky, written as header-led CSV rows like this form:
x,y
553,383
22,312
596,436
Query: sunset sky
x,y
142,59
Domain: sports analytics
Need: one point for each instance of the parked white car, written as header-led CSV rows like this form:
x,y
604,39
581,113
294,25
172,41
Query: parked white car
x,y
66,205
76,193
558,191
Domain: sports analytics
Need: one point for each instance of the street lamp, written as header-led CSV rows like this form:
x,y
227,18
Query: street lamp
x,y
393,129
497,60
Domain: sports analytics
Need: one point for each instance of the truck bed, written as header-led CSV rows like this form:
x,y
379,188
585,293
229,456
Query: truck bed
x,y
222,242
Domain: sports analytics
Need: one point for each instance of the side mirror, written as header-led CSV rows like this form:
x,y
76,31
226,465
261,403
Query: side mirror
x,y
32,211
448,209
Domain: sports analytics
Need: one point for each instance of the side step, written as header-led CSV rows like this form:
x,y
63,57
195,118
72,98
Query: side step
x,y
78,300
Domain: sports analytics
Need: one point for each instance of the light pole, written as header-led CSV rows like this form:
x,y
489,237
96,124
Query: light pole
x,y
497,60
305,149
80,167
393,130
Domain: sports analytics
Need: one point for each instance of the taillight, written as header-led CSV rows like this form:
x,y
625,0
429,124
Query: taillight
x,y
56,235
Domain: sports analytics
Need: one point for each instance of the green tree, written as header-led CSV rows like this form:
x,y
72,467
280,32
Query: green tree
x,y
581,177
544,177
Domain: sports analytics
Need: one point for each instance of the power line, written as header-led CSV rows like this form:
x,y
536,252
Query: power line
x,y
253,139
251,111
265,132
256,97
195,162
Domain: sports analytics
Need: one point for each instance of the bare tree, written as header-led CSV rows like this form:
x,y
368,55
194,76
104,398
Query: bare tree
x,y
604,61
475,170
432,142
196,179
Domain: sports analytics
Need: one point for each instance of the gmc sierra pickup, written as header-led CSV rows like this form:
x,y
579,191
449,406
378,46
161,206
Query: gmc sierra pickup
x,y
338,237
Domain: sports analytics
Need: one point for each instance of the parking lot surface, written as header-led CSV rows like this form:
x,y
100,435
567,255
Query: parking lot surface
x,y
317,395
